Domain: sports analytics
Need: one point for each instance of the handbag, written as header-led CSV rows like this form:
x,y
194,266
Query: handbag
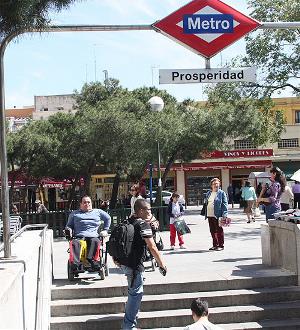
x,y
224,222
158,241
181,227
203,210
257,212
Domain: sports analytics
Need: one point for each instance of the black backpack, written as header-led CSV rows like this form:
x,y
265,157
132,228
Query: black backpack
x,y
120,241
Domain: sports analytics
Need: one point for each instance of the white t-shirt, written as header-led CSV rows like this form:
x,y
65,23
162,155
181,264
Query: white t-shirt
x,y
202,325
210,205
132,201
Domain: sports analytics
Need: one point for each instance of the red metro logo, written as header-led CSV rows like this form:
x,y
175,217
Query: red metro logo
x,y
206,26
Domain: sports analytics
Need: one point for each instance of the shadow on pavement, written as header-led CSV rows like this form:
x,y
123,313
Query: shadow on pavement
x,y
236,259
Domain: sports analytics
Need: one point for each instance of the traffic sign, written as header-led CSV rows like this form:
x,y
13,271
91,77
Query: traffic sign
x,y
187,76
206,26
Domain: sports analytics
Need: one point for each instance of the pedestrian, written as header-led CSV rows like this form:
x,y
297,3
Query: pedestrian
x,y
237,194
271,193
200,313
133,267
258,189
175,211
296,192
287,199
135,195
40,207
249,196
83,224
217,207
230,195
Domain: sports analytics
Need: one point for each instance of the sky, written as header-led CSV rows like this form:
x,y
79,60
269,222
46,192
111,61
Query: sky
x,y
59,63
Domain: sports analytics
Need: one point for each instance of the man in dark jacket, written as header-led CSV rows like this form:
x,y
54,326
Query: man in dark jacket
x,y
134,268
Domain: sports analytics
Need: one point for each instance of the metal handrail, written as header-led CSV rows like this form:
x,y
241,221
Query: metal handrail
x,y
40,286
21,231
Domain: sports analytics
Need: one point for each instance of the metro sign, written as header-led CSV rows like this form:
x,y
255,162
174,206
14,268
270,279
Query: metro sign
x,y
206,26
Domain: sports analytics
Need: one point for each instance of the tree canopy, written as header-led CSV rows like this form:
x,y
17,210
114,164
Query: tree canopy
x,y
115,130
275,52
17,16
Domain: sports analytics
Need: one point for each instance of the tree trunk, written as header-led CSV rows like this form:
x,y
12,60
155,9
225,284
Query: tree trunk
x,y
114,195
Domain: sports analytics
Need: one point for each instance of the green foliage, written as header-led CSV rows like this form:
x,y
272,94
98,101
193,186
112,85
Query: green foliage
x,y
276,52
17,16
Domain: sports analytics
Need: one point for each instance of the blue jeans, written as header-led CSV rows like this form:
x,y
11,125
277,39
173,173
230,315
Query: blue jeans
x,y
135,295
270,210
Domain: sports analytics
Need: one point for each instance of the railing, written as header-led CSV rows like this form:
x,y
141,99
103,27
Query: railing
x,y
58,220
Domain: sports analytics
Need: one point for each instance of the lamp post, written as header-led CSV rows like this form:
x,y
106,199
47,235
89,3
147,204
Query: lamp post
x,y
157,104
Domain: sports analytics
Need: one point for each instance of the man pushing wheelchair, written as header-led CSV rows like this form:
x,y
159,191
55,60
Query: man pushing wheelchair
x,y
83,227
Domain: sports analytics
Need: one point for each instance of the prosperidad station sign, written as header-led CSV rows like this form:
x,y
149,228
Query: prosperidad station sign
x,y
187,76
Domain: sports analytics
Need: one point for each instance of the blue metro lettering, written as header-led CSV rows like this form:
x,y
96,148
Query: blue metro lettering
x,y
208,23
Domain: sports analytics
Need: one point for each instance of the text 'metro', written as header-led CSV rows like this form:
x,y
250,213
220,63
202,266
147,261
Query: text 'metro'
x,y
208,23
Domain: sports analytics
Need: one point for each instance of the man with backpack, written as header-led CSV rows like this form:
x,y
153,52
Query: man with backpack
x,y
127,246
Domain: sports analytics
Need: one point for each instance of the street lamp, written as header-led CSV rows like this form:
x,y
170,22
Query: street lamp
x,y
157,105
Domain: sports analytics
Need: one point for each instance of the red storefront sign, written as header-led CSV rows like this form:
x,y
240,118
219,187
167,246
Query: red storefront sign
x,y
240,153
219,165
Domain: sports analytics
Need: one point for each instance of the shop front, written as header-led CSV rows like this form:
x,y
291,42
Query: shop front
x,y
231,167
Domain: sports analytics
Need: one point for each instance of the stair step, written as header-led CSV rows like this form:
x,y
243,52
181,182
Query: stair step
x,y
73,291
175,301
181,317
291,324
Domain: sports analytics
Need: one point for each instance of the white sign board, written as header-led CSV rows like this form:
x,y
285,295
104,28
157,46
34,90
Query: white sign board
x,y
188,76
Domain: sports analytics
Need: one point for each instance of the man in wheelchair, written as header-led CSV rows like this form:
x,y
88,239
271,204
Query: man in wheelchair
x,y
83,224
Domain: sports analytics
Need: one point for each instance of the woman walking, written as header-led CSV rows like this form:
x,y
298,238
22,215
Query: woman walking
x,y
271,195
249,196
217,207
175,211
135,192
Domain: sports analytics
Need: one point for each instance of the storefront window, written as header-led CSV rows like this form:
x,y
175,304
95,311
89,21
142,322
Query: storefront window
x,y
197,188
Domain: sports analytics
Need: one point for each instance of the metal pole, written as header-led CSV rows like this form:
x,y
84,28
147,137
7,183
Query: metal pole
x,y
3,155
279,25
151,183
159,184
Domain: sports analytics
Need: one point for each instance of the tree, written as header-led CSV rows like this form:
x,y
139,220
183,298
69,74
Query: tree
x,y
276,52
17,16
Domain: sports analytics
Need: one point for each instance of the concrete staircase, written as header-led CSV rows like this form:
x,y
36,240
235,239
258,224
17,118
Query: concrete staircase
x,y
271,302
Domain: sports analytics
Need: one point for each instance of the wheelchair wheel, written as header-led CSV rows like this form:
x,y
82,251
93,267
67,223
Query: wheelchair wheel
x,y
71,274
102,273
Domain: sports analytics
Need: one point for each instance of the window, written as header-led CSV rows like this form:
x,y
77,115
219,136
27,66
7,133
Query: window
x,y
297,117
60,108
288,143
244,144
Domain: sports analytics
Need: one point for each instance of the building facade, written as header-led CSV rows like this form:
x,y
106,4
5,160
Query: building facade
x,y
46,106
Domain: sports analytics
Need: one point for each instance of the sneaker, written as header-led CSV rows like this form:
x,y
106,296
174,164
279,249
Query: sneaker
x,y
213,248
182,247
220,248
248,221
172,247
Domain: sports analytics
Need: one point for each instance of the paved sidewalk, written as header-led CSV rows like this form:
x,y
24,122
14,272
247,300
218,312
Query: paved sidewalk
x,y
241,257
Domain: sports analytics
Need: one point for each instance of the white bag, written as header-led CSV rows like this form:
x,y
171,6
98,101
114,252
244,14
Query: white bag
x,y
257,212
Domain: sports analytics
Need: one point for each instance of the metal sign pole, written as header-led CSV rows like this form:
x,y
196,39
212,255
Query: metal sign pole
x,y
65,28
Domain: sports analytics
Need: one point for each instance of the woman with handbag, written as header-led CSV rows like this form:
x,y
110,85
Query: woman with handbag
x,y
217,207
270,196
175,211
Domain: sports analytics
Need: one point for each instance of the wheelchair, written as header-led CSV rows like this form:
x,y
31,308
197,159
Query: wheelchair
x,y
103,270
